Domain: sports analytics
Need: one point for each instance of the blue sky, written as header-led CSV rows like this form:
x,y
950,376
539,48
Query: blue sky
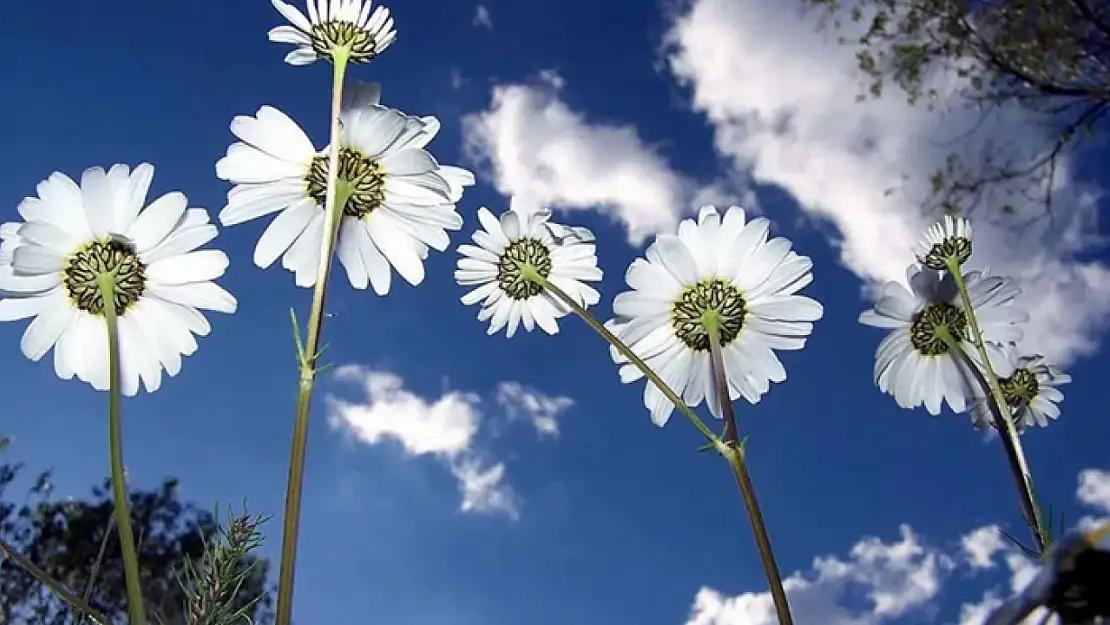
x,y
625,116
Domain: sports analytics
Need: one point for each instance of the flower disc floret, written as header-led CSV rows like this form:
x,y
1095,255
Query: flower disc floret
x,y
112,256
708,296
946,243
934,324
362,179
523,254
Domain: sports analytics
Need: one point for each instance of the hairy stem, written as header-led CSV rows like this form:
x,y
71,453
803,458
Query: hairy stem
x,y
333,212
135,610
738,464
1003,417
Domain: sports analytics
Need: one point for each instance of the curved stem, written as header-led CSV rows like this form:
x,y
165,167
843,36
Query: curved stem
x,y
44,578
738,464
1000,408
308,356
135,610
627,352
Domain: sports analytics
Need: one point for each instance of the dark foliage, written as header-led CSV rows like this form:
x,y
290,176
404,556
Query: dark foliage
x,y
66,538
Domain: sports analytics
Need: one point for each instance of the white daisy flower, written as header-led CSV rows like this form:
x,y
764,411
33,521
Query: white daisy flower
x,y
1030,390
400,201
71,235
344,24
727,266
913,363
948,239
566,257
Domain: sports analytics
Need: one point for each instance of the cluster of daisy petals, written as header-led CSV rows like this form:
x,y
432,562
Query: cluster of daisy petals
x,y
917,366
399,202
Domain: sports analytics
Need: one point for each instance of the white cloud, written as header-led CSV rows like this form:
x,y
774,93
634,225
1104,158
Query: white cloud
x,y
895,579
445,428
482,17
781,97
1094,492
981,545
482,489
458,81
547,154
1094,489
528,404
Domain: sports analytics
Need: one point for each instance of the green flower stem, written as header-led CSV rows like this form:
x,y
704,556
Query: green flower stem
x,y
309,354
57,587
738,463
532,275
998,406
135,611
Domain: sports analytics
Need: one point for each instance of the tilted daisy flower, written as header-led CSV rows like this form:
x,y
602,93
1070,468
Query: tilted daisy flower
x,y
913,363
566,257
347,24
947,240
399,201
74,233
730,268
1030,390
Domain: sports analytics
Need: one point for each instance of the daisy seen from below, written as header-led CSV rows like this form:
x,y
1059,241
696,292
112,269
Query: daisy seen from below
x,y
355,26
1030,390
397,200
74,234
913,363
727,267
945,244
492,269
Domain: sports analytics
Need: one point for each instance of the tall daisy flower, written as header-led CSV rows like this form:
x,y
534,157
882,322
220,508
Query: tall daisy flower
x,y
727,267
945,244
914,363
1030,390
492,269
352,24
398,201
71,235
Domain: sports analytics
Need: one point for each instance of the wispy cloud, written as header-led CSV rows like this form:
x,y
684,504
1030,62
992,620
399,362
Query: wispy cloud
x,y
458,81
445,428
522,403
482,18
